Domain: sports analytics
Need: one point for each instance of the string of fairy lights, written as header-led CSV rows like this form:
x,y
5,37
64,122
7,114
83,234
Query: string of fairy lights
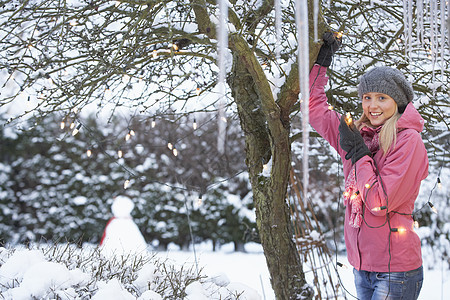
x,y
74,125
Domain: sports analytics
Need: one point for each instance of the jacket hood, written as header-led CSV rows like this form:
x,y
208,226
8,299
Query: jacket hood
x,y
411,119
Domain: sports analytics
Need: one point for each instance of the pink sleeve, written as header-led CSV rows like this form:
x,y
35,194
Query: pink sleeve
x,y
321,118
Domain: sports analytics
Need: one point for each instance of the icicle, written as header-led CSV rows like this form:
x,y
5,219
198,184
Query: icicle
x,y
420,21
448,20
433,33
301,13
278,28
407,23
222,48
410,29
442,37
316,19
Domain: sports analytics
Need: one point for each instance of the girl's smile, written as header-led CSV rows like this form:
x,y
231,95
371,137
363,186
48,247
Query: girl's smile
x,y
378,108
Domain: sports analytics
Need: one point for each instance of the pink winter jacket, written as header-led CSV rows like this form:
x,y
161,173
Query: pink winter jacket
x,y
373,247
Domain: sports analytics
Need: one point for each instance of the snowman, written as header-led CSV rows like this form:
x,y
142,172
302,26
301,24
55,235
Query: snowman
x,y
121,235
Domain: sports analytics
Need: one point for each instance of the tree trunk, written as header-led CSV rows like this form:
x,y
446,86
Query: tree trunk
x,y
265,123
269,193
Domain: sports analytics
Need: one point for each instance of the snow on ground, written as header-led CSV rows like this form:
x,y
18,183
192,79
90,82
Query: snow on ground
x,y
243,272
250,269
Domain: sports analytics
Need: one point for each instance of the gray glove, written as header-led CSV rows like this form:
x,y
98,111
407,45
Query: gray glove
x,y
331,44
352,142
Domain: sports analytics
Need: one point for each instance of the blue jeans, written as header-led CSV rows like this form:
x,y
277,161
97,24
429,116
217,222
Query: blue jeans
x,y
392,286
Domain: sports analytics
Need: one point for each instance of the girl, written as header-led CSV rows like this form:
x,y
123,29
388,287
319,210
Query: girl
x,y
384,162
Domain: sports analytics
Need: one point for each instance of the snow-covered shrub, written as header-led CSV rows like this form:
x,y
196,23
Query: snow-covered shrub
x,y
68,272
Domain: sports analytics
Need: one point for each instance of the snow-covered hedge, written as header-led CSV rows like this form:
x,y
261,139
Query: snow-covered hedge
x,y
67,272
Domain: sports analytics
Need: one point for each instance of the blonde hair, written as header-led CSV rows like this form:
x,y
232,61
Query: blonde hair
x,y
388,133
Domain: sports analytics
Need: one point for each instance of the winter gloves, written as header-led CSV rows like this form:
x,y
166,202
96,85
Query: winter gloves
x,y
352,142
331,44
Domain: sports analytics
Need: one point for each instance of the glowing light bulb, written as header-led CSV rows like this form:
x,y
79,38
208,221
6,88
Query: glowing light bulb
x,y
153,124
439,183
175,152
127,137
126,184
198,91
367,186
348,119
76,130
62,124
346,194
72,125
170,146
155,53
199,200
120,153
108,92
379,208
399,230
330,107
89,153
73,23
194,125
132,132
432,207
416,224
175,47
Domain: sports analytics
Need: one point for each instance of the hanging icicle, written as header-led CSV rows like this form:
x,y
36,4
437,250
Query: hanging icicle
x,y
316,20
432,27
222,48
278,29
301,14
407,25
448,21
433,31
442,4
420,21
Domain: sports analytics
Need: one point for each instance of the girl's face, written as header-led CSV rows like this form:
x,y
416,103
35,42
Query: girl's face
x,y
378,108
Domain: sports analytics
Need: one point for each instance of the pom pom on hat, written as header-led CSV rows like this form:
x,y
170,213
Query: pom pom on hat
x,y
388,81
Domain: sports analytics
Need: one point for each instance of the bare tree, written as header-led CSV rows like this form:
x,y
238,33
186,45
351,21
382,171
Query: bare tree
x,y
160,56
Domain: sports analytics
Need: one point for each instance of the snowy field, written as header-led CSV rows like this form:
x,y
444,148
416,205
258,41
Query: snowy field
x,y
250,269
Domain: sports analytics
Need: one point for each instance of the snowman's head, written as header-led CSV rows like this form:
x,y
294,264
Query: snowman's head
x,y
122,207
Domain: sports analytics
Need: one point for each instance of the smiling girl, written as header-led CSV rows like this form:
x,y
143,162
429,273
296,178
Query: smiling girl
x,y
384,161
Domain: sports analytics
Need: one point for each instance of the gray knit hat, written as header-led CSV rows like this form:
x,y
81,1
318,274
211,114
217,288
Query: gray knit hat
x,y
388,81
